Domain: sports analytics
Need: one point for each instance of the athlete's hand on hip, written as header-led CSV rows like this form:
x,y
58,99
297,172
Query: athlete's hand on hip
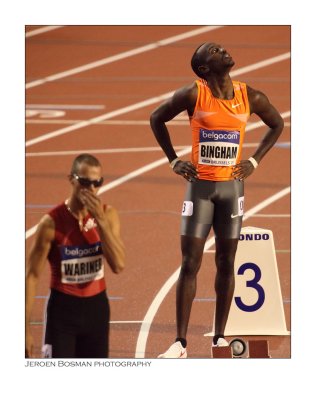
x,y
93,203
242,170
187,170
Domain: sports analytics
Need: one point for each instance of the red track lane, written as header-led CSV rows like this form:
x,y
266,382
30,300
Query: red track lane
x,y
149,205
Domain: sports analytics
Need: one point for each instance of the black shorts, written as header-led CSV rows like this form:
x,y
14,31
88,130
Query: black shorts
x,y
217,204
77,327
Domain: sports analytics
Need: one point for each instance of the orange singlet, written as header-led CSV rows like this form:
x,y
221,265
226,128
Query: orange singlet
x,y
218,128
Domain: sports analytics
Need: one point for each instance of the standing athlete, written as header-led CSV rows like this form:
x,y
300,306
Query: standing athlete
x,y
75,237
218,110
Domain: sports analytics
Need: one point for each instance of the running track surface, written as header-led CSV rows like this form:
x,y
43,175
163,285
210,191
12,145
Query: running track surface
x,y
64,92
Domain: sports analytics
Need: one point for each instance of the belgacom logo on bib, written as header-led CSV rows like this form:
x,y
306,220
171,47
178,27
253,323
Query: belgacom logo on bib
x,y
187,208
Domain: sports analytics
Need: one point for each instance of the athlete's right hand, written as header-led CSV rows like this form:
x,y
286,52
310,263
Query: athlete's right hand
x,y
28,346
187,170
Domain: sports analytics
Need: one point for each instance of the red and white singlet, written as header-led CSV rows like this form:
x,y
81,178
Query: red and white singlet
x,y
76,257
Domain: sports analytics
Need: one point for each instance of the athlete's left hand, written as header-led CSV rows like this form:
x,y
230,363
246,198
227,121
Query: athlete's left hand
x,y
93,203
242,170
187,170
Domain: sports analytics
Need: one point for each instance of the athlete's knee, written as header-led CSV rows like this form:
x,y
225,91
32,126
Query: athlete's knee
x,y
190,265
225,263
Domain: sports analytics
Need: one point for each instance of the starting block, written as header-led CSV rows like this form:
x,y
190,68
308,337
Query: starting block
x,y
222,352
253,349
258,349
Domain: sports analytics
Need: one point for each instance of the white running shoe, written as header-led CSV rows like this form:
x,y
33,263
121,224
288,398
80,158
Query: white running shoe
x,y
221,342
175,351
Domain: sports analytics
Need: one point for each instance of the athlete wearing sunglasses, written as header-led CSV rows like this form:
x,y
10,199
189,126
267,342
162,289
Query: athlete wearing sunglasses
x,y
85,182
76,237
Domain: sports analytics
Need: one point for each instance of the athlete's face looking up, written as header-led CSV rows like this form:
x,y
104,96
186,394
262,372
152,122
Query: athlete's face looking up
x,y
214,58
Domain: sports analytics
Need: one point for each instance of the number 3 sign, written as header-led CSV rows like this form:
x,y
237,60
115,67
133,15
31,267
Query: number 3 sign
x,y
257,306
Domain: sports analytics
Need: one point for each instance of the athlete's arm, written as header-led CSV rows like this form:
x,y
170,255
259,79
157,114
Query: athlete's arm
x,y
108,226
183,100
36,262
114,252
260,105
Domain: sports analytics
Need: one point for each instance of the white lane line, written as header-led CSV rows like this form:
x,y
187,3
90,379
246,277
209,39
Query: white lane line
x,y
121,56
272,216
144,103
138,172
112,122
64,106
265,63
153,308
277,251
259,124
30,232
111,322
126,322
125,150
42,30
101,151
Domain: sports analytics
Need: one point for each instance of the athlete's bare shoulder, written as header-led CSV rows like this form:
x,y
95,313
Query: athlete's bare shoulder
x,y
187,92
258,101
185,97
46,228
260,105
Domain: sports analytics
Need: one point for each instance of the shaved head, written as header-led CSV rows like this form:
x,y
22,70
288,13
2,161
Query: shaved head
x,y
86,159
198,58
196,61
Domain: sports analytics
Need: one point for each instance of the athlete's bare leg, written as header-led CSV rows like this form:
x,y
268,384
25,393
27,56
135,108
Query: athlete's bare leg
x,y
224,281
192,252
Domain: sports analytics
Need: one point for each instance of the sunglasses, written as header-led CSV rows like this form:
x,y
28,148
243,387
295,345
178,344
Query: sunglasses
x,y
85,182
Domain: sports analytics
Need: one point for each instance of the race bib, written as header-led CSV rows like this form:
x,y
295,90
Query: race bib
x,y
82,264
241,201
218,147
187,208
